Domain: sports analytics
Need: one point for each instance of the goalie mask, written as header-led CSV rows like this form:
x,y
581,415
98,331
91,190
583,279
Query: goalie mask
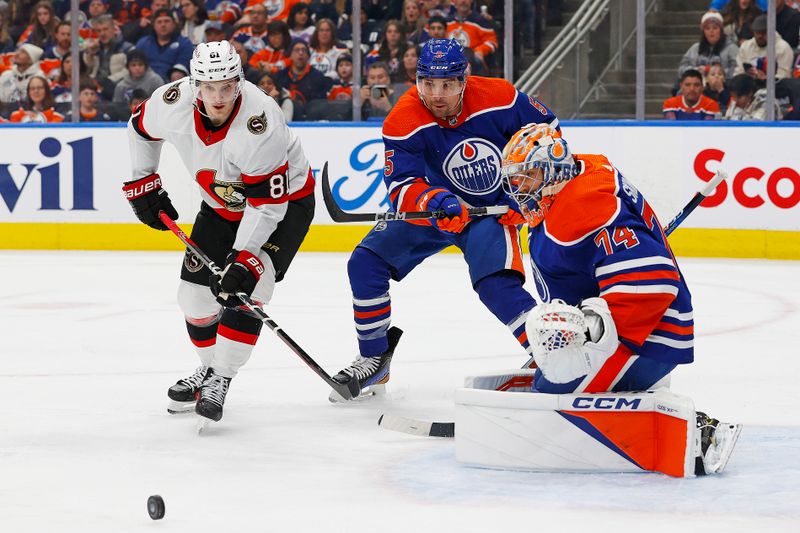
x,y
537,164
212,65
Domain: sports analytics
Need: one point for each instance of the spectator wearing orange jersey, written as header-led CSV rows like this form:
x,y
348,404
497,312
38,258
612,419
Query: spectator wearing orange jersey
x,y
38,105
691,104
273,58
472,30
325,50
343,84
88,105
254,36
42,27
276,9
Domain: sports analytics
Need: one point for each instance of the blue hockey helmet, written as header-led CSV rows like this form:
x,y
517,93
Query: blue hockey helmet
x,y
442,58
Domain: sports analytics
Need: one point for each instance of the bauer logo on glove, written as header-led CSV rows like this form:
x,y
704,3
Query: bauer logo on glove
x,y
241,275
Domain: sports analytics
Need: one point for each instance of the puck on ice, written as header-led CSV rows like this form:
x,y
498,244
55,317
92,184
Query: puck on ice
x,y
155,507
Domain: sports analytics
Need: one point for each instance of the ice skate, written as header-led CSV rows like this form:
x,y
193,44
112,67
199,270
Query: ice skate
x,y
212,398
372,373
183,395
717,440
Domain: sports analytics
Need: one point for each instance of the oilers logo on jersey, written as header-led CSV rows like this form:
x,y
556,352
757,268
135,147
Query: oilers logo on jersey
x,y
461,36
473,165
274,8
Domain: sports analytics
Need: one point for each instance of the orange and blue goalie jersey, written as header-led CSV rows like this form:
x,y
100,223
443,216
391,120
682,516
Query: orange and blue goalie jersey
x,y
461,154
601,238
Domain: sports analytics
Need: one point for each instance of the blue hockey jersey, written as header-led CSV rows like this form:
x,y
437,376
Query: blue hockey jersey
x,y
600,237
462,154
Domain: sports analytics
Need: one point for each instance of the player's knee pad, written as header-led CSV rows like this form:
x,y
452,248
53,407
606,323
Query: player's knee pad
x,y
196,301
503,295
369,274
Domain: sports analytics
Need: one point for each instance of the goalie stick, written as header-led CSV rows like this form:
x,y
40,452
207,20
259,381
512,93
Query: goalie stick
x,y
448,429
339,215
345,391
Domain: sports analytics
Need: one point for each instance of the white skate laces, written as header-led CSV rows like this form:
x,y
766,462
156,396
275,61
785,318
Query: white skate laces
x,y
195,380
214,389
363,367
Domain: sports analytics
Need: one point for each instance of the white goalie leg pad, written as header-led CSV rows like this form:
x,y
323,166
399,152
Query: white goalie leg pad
x,y
609,432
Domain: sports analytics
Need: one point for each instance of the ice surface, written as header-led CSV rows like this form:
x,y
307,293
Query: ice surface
x,y
92,340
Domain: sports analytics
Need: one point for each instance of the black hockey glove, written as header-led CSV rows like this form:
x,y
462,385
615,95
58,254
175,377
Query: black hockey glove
x,y
241,274
147,198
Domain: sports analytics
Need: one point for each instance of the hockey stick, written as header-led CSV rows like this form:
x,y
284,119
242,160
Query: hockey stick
x,y
345,391
448,429
339,215
696,200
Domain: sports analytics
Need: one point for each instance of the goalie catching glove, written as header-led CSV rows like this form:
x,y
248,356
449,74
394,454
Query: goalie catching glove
x,y
147,199
241,274
570,342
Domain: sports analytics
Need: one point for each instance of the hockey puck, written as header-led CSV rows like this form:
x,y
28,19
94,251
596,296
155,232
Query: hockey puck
x,y
155,507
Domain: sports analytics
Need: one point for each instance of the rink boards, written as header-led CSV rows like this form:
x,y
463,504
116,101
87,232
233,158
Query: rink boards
x,y
60,185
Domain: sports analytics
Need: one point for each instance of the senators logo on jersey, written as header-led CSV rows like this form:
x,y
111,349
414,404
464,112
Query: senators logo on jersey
x,y
257,124
172,95
473,166
226,193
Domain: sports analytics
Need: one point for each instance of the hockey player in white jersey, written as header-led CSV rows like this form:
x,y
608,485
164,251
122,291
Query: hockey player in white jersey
x,y
258,202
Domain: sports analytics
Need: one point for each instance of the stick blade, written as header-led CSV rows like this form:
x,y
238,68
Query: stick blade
x,y
419,428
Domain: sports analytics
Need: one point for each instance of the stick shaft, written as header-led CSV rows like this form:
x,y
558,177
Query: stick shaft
x,y
339,215
696,200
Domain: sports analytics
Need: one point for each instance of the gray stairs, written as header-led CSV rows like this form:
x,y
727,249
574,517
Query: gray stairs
x,y
671,29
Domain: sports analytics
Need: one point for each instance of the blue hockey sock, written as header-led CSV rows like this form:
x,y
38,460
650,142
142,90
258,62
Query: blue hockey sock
x,y
369,281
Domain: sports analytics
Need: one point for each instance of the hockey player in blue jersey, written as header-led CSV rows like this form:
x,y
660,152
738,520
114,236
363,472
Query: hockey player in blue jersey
x,y
443,143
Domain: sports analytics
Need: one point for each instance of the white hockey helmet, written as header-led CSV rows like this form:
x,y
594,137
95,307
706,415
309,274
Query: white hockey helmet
x,y
215,61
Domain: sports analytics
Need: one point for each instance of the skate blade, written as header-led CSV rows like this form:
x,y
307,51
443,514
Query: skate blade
x,y
729,435
176,408
203,424
366,394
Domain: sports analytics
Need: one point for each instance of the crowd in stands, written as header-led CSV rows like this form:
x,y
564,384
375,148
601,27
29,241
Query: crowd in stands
x,y
724,74
299,52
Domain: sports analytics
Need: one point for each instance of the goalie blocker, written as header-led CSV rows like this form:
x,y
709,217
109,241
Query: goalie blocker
x,y
609,432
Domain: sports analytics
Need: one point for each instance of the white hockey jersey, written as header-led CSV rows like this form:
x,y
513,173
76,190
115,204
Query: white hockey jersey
x,y
247,170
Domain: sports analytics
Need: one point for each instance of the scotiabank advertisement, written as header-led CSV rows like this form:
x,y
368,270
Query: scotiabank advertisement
x,y
74,174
